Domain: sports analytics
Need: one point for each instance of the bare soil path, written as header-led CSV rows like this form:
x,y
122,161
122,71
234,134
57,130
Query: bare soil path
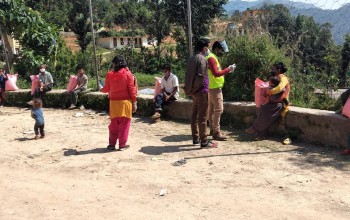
x,y
70,175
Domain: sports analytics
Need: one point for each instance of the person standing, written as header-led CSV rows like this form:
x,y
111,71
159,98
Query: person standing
x,y
216,83
82,81
169,91
196,86
119,84
45,82
38,115
3,79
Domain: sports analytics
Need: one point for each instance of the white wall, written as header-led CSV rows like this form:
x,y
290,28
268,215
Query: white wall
x,y
106,42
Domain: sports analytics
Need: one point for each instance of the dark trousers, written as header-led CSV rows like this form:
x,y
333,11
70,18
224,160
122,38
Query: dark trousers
x,y
40,128
160,102
39,94
199,116
73,95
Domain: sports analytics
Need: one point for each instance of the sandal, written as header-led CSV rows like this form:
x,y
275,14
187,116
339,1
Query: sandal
x,y
110,147
124,148
250,130
345,152
209,144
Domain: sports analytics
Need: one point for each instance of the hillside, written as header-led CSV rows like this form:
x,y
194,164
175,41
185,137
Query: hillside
x,y
338,18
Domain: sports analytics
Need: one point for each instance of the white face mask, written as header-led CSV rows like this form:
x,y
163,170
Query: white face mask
x,y
206,53
42,70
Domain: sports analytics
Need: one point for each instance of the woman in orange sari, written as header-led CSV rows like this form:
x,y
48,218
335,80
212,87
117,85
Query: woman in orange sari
x,y
119,84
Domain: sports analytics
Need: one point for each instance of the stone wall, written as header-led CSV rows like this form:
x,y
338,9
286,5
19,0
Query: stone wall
x,y
311,125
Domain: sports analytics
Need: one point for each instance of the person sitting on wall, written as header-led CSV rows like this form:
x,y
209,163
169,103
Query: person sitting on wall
x,y
45,82
275,108
169,91
82,81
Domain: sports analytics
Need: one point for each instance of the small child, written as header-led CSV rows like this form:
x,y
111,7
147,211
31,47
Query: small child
x,y
273,82
38,115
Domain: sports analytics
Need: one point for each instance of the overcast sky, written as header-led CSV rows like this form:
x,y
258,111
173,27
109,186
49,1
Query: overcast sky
x,y
324,4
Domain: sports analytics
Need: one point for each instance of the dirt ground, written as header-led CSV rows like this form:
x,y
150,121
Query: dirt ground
x,y
70,175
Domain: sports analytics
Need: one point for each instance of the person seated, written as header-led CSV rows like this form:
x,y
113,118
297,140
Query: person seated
x,y
3,79
169,91
273,82
274,109
82,81
45,82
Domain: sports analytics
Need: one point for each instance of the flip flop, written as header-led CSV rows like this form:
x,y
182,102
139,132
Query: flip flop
x,y
209,144
124,148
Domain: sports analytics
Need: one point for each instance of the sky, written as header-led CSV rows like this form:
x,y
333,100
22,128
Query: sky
x,y
324,4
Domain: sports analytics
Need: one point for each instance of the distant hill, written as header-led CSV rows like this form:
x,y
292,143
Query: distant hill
x,y
339,18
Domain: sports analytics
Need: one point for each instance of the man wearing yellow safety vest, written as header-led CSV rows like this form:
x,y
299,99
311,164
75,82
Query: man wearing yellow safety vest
x,y
216,82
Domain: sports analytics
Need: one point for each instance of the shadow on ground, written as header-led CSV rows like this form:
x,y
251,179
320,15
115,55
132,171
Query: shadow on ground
x,y
73,152
24,139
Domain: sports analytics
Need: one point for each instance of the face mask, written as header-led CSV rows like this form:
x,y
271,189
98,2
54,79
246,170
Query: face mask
x,y
42,70
206,53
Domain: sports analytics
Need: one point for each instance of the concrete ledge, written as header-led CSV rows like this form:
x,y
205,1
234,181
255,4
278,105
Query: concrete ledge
x,y
312,125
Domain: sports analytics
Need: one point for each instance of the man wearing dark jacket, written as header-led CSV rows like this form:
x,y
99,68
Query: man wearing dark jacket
x,y
197,86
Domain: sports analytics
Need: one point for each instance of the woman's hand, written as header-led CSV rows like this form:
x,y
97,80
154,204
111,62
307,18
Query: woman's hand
x,y
134,107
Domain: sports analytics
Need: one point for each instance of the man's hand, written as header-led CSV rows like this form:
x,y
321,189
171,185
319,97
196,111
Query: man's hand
x,y
166,97
232,67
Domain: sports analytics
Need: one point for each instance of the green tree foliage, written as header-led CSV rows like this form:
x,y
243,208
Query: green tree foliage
x,y
158,23
308,43
79,22
254,57
35,35
52,11
345,53
203,11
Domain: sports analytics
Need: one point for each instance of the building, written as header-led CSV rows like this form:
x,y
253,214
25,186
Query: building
x,y
119,38
252,21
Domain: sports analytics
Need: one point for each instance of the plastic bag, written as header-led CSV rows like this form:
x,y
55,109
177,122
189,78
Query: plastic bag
x,y
157,86
260,88
72,84
346,108
10,84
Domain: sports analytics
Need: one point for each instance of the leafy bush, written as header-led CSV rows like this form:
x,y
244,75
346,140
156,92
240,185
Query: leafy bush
x,y
254,57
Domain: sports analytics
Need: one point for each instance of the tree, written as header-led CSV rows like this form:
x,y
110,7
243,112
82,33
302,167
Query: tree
x,y
79,22
52,11
345,53
158,24
203,11
27,26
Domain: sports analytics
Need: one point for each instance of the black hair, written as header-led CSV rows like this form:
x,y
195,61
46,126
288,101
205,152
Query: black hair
x,y
80,67
201,43
275,80
119,62
166,66
280,66
217,45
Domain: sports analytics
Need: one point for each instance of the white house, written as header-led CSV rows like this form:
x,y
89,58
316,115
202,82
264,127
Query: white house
x,y
119,38
120,42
